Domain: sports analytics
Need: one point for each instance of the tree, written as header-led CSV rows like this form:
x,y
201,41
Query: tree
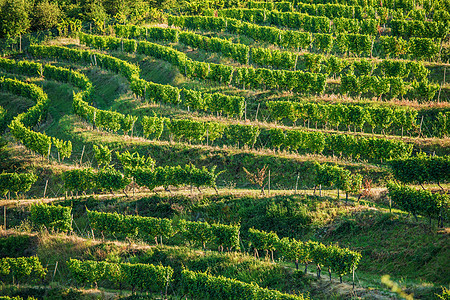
x,y
258,178
14,19
95,12
45,15
119,9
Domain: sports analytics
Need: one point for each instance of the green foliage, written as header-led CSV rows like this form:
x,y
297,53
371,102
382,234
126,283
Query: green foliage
x,y
45,15
196,232
2,118
423,91
14,245
187,129
423,48
34,141
153,126
277,137
360,44
333,176
37,141
147,276
143,276
197,284
263,240
445,294
21,67
22,267
14,16
64,147
95,12
79,180
102,155
133,161
340,260
226,235
419,28
150,229
176,176
419,202
323,42
110,179
51,216
86,272
243,134
15,183
113,64
393,46
443,124
421,169
348,115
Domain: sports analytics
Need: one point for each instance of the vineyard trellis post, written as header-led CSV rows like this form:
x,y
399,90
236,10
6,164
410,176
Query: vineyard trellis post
x,y
45,189
353,277
48,153
245,110
420,128
82,152
390,205
54,272
440,88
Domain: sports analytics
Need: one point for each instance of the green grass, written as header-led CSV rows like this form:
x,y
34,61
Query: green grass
x,y
396,245
413,253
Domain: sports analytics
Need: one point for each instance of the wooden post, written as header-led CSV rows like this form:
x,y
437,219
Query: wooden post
x,y
245,110
54,272
4,217
296,184
353,278
420,129
257,110
440,88
320,190
45,189
269,185
81,159
48,153
390,205
207,136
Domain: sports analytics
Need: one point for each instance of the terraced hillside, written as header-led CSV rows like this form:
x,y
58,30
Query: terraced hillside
x,y
235,150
